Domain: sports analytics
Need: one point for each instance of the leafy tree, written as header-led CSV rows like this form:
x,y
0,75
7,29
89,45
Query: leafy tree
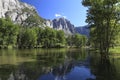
x,y
49,37
79,40
33,20
38,37
8,32
39,32
84,40
70,40
103,16
27,38
60,37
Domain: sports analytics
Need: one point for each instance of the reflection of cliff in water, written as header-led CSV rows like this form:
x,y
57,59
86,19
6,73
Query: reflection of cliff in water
x,y
70,65
60,71
25,71
33,69
12,73
18,75
59,65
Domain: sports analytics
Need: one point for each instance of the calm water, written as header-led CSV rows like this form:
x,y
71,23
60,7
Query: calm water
x,y
57,64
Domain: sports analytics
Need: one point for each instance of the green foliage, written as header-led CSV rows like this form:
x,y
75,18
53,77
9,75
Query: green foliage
x,y
70,41
39,32
27,38
38,37
115,50
60,37
26,10
31,37
51,38
8,32
77,40
48,37
33,20
103,16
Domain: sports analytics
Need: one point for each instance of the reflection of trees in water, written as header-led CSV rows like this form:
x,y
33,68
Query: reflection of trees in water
x,y
11,73
60,64
18,75
32,70
80,54
60,71
25,71
70,62
5,72
104,69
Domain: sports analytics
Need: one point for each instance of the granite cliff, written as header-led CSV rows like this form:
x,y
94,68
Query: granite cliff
x,y
26,15
84,30
61,24
18,11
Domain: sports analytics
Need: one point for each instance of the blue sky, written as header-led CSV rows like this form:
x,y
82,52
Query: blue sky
x,y
70,9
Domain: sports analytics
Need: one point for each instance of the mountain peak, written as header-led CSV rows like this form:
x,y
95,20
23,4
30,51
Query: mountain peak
x,y
61,24
26,15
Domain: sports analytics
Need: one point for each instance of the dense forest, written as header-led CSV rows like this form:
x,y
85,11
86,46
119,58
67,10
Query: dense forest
x,y
12,35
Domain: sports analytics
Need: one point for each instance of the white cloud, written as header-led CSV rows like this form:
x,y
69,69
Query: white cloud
x,y
64,16
60,15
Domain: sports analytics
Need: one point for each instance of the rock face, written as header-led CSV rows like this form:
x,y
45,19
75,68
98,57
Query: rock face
x,y
16,10
84,30
61,24
67,27
26,15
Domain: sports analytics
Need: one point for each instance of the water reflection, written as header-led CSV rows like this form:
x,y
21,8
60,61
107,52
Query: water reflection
x,y
105,69
57,65
71,69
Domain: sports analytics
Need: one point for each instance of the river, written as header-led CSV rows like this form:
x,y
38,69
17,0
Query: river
x,y
56,64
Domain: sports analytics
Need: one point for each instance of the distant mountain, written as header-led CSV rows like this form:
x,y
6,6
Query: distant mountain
x,y
61,24
67,27
84,30
26,15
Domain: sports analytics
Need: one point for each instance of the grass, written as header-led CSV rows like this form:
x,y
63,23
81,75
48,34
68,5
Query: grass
x,y
115,50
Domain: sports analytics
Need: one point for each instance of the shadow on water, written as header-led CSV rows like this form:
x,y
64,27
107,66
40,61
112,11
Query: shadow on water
x,y
74,64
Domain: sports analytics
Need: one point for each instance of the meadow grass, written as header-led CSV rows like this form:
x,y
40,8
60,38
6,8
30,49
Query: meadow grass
x,y
115,50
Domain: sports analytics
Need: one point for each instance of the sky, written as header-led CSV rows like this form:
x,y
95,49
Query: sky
x,y
73,10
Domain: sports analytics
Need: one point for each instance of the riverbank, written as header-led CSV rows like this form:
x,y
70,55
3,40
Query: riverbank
x,y
115,50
